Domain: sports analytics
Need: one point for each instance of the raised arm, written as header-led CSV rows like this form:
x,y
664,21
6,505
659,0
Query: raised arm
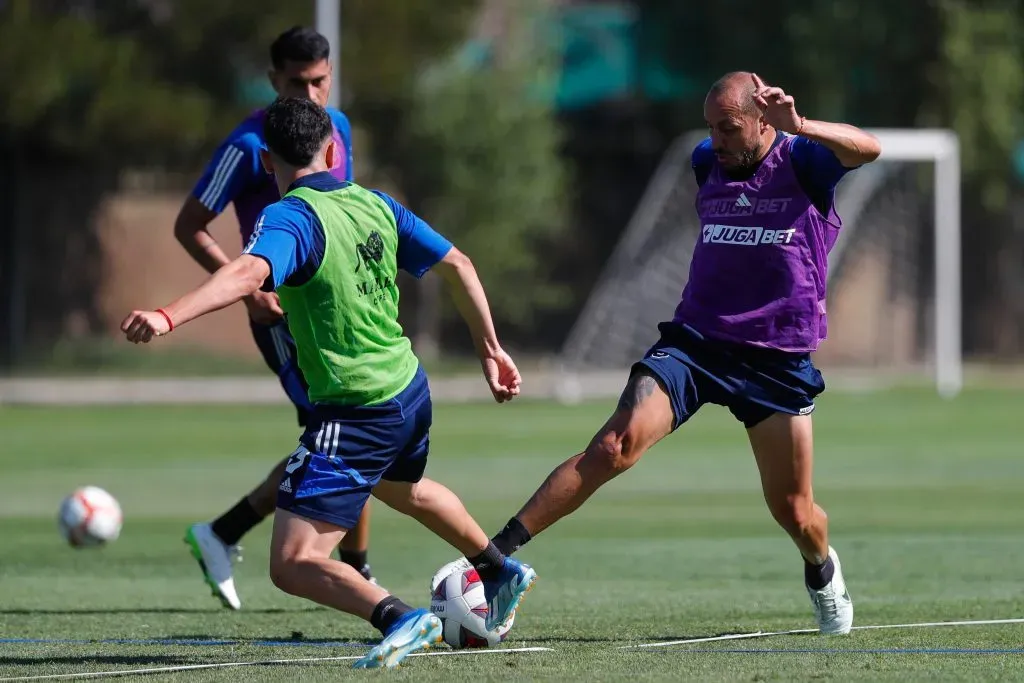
x,y
232,168
278,249
851,145
229,284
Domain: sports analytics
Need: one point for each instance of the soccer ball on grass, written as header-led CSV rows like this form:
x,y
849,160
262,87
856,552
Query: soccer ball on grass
x,y
457,599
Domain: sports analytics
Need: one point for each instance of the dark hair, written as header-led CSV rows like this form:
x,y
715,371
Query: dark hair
x,y
299,44
295,129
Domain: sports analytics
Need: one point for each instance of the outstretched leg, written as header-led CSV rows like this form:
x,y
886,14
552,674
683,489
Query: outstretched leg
x,y
643,417
433,505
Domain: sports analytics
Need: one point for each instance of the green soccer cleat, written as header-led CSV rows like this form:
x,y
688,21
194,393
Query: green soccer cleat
x,y
214,558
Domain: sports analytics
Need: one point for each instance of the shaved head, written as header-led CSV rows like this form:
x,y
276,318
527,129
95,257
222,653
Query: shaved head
x,y
739,134
736,88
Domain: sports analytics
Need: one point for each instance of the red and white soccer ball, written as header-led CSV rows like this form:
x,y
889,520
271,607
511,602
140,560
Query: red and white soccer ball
x,y
89,517
457,599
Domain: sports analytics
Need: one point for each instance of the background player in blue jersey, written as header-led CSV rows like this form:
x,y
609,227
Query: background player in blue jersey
x,y
300,68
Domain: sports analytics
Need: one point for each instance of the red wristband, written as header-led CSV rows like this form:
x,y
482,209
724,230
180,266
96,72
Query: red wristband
x,y
170,323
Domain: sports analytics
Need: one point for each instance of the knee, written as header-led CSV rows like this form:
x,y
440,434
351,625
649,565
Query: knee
x,y
283,571
611,453
417,497
795,513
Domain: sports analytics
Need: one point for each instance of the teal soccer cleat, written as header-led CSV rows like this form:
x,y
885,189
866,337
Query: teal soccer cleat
x,y
415,631
504,593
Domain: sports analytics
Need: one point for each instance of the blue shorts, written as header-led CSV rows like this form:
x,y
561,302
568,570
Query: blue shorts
x,y
346,451
278,348
754,383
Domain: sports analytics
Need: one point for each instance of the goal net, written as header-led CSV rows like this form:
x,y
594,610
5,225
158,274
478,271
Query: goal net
x,y
894,274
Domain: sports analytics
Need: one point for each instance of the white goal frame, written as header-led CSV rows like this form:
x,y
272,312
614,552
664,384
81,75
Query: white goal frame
x,y
941,147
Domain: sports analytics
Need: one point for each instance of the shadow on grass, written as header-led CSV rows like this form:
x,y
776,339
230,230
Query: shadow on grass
x,y
26,611
98,659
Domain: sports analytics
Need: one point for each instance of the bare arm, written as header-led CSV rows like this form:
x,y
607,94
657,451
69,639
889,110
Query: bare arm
x,y
192,230
468,292
238,279
851,145
501,373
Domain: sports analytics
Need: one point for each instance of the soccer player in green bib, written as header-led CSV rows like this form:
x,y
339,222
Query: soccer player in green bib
x,y
332,250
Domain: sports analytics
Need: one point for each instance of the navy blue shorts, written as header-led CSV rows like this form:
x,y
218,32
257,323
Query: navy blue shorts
x,y
346,451
278,348
754,383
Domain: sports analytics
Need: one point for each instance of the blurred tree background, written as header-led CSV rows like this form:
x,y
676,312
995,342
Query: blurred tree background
x,y
528,135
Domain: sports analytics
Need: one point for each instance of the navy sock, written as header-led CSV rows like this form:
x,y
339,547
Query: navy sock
x,y
387,612
488,563
817,576
513,537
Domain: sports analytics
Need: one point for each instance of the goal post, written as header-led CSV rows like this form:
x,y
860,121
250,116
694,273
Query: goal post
x,y
883,273
942,148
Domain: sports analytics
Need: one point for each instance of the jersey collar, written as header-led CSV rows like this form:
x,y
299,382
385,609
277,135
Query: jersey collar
x,y
322,182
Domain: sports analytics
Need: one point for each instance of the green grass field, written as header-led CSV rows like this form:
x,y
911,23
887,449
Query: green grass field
x,y
926,501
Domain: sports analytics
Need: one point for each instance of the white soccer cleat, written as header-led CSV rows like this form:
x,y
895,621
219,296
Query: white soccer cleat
x,y
833,607
214,558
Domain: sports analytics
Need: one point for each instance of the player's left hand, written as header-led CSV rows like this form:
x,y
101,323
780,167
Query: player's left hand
x,y
141,326
502,376
778,108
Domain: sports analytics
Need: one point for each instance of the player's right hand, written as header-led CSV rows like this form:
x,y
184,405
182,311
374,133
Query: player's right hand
x,y
502,376
264,307
141,326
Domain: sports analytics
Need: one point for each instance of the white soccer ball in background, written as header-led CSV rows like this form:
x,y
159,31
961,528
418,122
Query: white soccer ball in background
x,y
457,599
89,516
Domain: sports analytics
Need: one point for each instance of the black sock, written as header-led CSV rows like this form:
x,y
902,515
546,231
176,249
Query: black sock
x,y
488,563
817,576
353,558
513,537
387,612
236,522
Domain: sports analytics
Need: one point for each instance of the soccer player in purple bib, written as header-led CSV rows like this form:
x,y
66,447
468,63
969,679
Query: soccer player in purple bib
x,y
751,313
301,68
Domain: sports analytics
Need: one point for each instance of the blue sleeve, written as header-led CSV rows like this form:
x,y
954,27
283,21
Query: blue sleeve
x,y
817,167
701,160
235,165
284,237
420,247
344,127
